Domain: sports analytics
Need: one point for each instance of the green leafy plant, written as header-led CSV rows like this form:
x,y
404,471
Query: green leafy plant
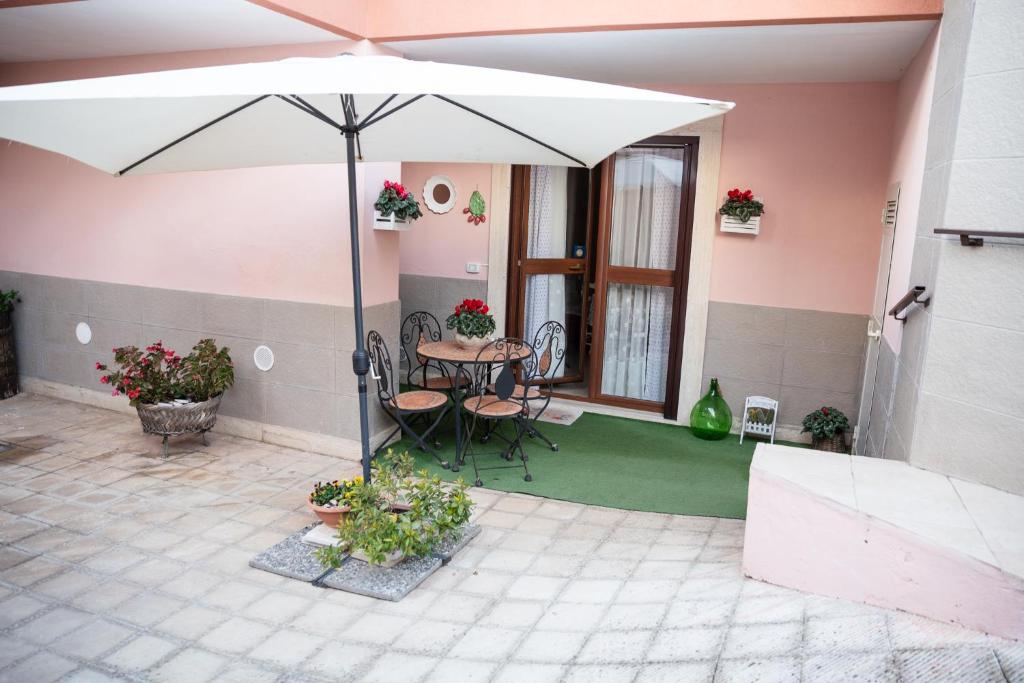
x,y
741,204
398,512
395,199
333,493
472,319
825,422
158,375
8,299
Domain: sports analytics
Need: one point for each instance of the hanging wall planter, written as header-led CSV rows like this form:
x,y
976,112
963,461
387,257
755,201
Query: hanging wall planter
x,y
395,208
741,212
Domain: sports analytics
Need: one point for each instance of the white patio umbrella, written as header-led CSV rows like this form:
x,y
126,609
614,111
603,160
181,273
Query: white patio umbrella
x,y
338,109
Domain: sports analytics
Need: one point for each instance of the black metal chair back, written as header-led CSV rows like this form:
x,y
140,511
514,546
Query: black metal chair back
x,y
510,358
420,328
380,366
549,349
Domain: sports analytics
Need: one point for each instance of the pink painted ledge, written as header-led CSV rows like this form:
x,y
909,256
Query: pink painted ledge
x,y
814,525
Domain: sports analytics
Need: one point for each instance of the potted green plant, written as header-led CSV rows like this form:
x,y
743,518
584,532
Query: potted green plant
x,y
398,516
473,324
741,212
827,427
395,208
173,395
329,500
8,357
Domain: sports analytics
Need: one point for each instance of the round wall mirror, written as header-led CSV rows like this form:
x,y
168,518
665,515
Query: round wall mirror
x,y
439,194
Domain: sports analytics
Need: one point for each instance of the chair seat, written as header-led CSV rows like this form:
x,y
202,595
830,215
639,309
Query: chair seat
x,y
419,401
533,392
492,406
442,383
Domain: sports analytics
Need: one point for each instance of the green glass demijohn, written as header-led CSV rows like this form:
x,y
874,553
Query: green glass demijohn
x,y
711,417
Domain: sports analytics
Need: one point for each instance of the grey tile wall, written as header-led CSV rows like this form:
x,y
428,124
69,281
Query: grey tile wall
x,y
958,401
311,386
805,359
437,295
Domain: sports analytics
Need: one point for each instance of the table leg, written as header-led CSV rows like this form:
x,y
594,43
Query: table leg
x,y
456,394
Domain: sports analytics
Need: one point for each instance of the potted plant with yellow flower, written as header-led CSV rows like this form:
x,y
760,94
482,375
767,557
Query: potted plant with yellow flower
x,y
328,500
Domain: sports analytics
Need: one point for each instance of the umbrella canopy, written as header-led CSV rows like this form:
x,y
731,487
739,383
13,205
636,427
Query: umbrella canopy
x,y
303,111
269,114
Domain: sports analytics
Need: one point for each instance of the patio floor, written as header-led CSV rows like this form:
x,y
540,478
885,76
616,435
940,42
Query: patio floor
x,y
117,565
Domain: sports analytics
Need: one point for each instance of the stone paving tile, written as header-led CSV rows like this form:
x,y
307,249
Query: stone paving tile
x,y
118,565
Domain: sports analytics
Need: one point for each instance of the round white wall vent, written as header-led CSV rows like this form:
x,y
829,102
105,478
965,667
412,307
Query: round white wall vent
x,y
263,357
83,333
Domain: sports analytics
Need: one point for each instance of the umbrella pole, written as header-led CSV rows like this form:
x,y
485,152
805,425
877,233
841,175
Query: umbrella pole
x,y
360,359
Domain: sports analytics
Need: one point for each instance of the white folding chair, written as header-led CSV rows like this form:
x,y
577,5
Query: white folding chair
x,y
760,414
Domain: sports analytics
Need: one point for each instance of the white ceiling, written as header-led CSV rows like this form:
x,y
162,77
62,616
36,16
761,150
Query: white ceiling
x,y
810,53
102,28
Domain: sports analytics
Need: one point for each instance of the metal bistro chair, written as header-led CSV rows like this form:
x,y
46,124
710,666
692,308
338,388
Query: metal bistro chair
x,y
418,328
504,405
401,405
549,353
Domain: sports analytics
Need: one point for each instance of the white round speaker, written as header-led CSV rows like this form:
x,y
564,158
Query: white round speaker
x,y
263,357
83,332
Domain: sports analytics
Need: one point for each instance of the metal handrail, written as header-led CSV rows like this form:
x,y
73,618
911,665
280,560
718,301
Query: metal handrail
x,y
914,296
973,238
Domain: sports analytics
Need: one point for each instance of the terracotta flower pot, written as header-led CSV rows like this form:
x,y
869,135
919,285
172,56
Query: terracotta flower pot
x,y
331,516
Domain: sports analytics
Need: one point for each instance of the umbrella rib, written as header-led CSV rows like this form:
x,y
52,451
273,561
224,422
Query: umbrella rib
x,y
380,106
319,114
186,136
510,128
370,121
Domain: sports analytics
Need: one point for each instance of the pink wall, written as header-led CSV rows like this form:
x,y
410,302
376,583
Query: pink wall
x,y
910,142
278,233
442,244
818,154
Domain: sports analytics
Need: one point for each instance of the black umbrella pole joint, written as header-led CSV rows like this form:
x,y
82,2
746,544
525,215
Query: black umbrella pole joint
x,y
360,359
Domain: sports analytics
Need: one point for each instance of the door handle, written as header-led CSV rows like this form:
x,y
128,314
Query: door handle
x,y
576,267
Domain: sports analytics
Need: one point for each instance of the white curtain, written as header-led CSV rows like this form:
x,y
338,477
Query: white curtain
x,y
645,225
545,294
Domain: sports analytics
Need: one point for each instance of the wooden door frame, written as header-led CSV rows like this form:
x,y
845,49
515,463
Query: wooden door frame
x,y
519,218
679,280
518,229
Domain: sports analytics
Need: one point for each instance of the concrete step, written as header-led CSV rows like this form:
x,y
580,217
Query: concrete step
x,y
886,533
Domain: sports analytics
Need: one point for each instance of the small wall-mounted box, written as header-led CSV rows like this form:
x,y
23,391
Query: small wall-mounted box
x,y
389,223
751,227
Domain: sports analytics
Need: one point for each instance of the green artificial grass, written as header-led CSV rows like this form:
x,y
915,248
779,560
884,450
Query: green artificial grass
x,y
617,462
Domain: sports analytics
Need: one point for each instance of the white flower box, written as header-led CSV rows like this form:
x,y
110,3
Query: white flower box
x,y
389,223
751,227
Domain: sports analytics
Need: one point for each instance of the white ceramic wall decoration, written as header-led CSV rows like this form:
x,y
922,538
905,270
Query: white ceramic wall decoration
x,y
439,194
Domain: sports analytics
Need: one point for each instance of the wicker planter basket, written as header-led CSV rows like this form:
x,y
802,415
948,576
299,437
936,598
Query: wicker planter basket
x,y
8,360
175,419
835,444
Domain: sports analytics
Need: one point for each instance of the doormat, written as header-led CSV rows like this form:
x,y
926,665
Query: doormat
x,y
561,415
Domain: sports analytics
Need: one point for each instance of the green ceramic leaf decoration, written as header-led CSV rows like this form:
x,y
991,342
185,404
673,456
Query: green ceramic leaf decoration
x,y
476,203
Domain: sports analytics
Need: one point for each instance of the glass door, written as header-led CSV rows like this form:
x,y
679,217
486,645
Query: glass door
x,y
551,248
642,268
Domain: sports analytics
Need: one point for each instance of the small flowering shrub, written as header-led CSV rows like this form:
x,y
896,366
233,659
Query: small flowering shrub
x,y
333,494
471,319
158,375
395,199
741,204
826,422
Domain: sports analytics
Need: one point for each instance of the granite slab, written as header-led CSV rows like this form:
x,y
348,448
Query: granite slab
x,y
292,558
394,583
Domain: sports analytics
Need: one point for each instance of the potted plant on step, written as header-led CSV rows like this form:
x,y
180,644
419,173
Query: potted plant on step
x,y
473,324
741,212
172,394
8,357
828,427
395,208
329,500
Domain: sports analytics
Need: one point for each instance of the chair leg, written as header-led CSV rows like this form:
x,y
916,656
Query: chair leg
x,y
533,431
468,448
421,438
521,428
